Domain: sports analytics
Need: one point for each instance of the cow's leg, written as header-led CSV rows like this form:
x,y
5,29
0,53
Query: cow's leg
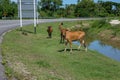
x,y
50,35
83,42
61,38
79,47
66,42
70,42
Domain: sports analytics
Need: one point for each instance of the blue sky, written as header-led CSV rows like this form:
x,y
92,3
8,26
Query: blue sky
x,y
75,1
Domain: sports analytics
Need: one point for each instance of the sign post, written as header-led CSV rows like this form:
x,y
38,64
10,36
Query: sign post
x,y
28,9
20,15
34,16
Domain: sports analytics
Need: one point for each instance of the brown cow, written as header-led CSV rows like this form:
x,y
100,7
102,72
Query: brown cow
x,y
74,36
49,30
62,31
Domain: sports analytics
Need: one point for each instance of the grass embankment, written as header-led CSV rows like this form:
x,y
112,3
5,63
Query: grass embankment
x,y
109,34
35,57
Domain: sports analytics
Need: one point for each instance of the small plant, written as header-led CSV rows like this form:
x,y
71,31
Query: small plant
x,y
43,64
8,72
24,33
4,62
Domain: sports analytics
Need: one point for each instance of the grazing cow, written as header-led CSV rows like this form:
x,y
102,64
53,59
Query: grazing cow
x,y
74,36
49,30
62,31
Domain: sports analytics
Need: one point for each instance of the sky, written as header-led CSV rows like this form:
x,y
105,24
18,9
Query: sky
x,y
75,1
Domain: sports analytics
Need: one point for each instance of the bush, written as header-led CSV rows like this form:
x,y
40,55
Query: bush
x,y
101,24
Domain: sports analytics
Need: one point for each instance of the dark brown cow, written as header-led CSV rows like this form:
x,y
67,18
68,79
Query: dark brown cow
x,y
74,36
49,30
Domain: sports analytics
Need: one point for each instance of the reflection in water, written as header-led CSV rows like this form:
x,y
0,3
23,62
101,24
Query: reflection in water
x,y
107,50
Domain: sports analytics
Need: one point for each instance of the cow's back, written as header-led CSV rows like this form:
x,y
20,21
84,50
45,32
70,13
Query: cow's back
x,y
74,35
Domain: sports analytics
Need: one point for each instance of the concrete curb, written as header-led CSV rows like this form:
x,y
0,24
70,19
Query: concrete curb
x,y
2,70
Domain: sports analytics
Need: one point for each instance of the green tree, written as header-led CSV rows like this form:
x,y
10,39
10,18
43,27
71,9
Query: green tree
x,y
78,1
50,7
85,8
70,10
7,8
108,8
14,9
5,4
60,12
0,11
117,9
100,10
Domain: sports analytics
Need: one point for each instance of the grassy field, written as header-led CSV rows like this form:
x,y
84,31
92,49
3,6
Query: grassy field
x,y
35,57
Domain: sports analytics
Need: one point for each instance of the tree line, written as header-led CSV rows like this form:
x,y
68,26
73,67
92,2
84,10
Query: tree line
x,y
56,9
8,8
83,8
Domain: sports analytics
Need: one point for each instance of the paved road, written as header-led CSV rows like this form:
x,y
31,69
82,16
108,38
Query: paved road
x,y
6,25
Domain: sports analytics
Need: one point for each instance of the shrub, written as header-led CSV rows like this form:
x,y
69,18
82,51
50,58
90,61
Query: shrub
x,y
101,24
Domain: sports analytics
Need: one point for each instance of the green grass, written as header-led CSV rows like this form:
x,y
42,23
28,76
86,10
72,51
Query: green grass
x,y
34,56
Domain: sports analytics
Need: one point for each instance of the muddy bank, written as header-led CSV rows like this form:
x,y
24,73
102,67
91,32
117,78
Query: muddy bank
x,y
108,38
